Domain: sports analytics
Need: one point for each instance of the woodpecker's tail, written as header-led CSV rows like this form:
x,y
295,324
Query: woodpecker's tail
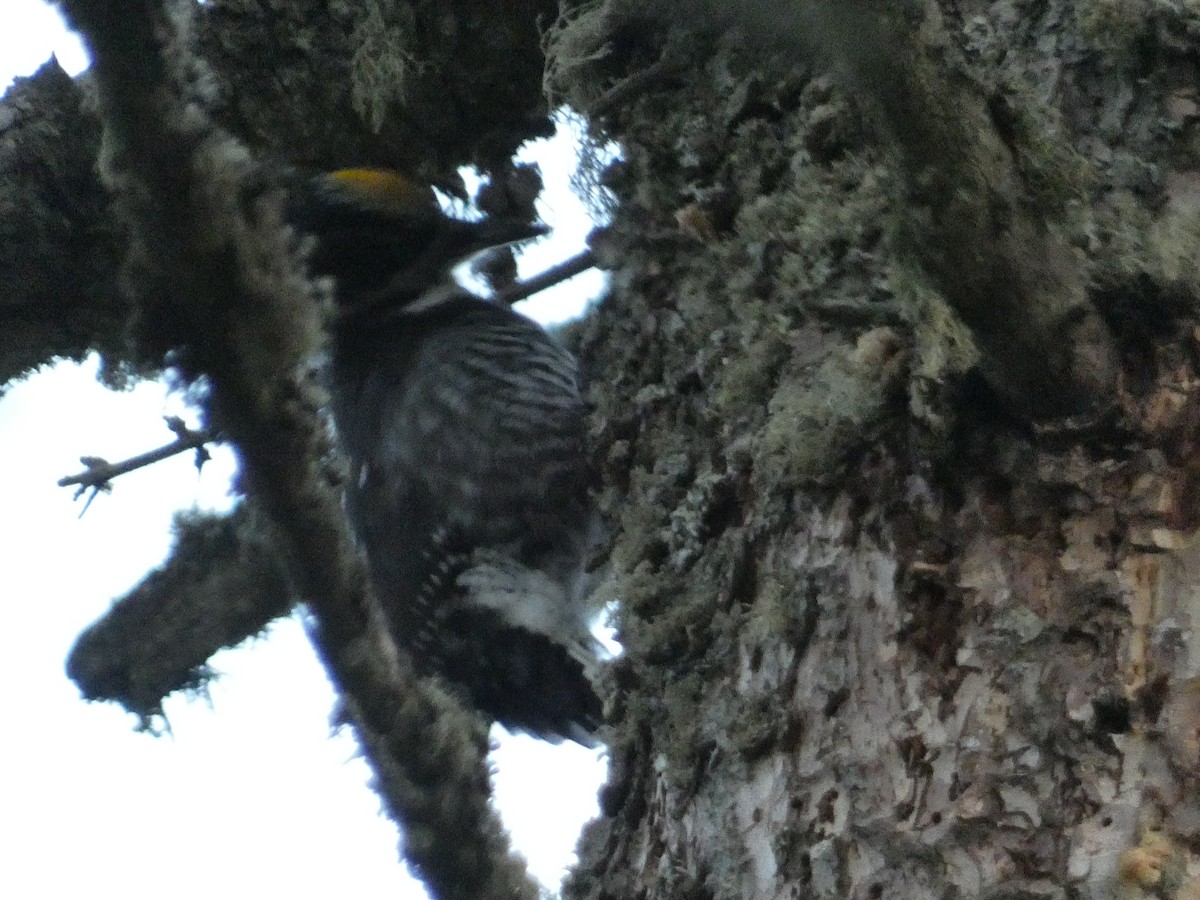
x,y
523,679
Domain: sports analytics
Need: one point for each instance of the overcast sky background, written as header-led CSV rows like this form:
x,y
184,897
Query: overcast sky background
x,y
251,795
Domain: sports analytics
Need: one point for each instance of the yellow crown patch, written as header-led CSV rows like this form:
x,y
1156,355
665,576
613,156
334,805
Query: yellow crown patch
x,y
384,189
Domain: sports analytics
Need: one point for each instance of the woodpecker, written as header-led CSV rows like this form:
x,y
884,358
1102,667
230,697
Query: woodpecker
x,y
463,424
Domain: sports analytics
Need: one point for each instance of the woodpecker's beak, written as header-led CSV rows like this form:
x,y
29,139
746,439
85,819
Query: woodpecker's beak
x,y
490,233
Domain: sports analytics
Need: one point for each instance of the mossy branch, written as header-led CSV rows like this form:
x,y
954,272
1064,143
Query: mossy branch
x,y
217,275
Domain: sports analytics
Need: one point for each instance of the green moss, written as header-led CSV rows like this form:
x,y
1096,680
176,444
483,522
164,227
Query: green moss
x,y
1174,241
944,351
1056,177
756,727
1119,246
815,420
1134,247
750,376
1112,26
382,66
783,610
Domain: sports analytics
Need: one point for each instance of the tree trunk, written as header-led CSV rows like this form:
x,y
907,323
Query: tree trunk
x,y
889,631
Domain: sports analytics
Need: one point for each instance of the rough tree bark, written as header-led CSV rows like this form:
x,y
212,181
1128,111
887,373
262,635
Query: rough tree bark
x,y
896,408
907,579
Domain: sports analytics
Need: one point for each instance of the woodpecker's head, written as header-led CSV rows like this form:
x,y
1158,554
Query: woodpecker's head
x,y
378,231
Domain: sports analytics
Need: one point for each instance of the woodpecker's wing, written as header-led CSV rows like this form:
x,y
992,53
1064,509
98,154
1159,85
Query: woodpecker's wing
x,y
488,419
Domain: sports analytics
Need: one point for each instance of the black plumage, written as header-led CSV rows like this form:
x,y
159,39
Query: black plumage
x,y
463,423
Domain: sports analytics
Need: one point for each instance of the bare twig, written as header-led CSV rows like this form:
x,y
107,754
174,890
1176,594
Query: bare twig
x,y
100,472
555,275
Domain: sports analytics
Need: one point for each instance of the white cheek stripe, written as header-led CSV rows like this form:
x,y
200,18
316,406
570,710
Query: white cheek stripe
x,y
431,298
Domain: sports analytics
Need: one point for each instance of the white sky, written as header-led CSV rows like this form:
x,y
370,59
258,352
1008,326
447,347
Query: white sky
x,y
251,796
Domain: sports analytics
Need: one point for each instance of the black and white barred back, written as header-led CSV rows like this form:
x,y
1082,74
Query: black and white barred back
x,y
464,426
